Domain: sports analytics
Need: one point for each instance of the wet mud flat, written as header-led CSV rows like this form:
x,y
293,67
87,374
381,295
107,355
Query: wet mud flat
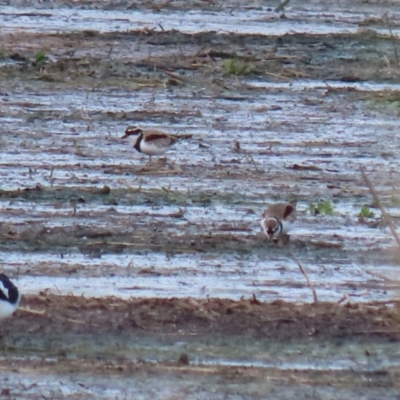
x,y
188,348
128,266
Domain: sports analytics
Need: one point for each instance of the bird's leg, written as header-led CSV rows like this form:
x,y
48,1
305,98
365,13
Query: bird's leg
x,y
162,162
283,239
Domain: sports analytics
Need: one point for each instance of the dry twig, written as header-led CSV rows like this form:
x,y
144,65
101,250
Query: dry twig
x,y
393,39
30,311
344,298
386,216
285,78
310,285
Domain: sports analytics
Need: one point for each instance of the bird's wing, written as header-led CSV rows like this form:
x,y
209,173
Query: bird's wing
x,y
159,140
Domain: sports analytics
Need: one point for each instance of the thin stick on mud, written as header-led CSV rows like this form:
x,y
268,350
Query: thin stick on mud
x,y
386,216
250,157
281,7
177,77
310,285
393,40
43,312
30,311
285,78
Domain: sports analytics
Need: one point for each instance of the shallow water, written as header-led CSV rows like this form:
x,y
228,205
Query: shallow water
x,y
241,20
53,153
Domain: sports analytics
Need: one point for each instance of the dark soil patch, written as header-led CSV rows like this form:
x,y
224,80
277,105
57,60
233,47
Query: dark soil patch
x,y
110,56
248,318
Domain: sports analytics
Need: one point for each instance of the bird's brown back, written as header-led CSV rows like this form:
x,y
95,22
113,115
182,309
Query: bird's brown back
x,y
154,134
282,211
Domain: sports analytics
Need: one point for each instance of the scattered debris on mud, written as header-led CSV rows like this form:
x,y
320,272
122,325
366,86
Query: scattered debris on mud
x,y
247,318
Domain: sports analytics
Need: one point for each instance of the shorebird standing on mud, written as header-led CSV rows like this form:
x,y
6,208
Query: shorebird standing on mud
x,y
277,221
151,142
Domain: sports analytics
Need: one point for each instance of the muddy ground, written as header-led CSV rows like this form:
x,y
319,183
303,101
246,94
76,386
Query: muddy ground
x,y
153,280
253,349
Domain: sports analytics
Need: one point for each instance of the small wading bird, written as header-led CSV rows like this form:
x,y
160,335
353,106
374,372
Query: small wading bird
x,y
151,142
9,297
277,221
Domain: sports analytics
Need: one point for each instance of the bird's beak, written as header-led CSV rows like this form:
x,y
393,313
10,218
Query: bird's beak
x,y
124,137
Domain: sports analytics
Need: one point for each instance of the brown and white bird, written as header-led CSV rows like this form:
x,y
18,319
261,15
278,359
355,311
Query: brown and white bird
x,y
277,221
151,142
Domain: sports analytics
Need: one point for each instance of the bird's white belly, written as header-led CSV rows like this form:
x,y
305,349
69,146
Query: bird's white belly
x,y
286,227
151,150
6,308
